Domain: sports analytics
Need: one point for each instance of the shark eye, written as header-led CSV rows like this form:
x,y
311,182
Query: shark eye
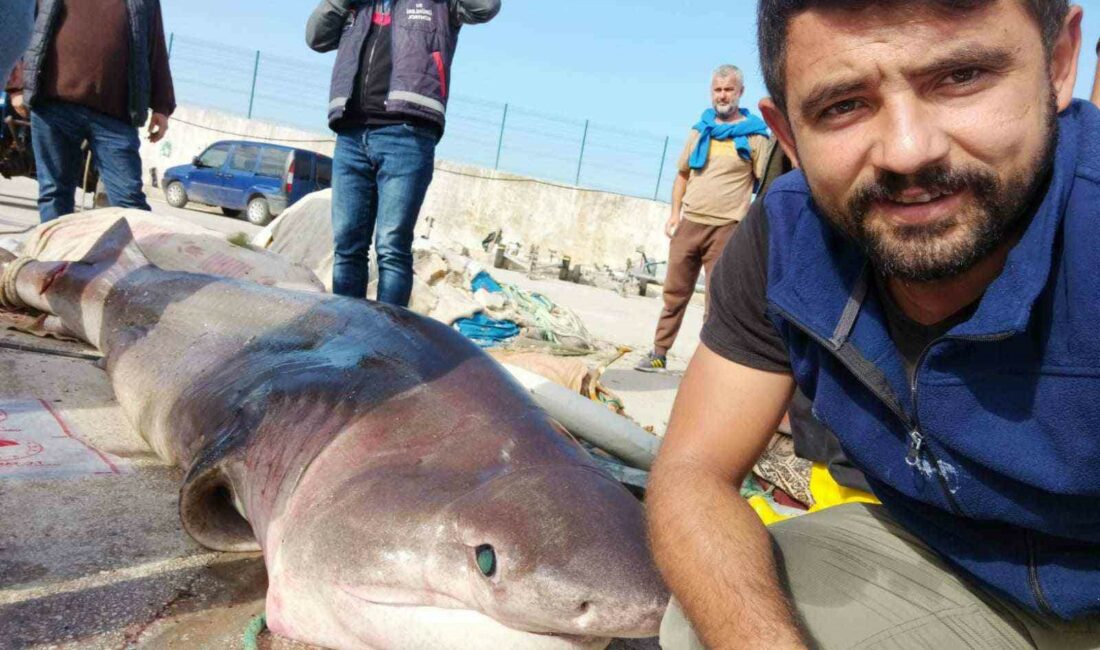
x,y
486,560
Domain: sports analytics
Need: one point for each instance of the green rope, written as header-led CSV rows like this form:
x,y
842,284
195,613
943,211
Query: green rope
x,y
751,488
553,321
252,633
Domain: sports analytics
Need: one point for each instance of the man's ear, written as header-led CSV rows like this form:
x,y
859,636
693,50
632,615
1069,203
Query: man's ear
x,y
781,127
1064,58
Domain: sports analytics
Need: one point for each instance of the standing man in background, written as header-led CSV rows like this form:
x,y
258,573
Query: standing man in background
x,y
724,156
388,104
93,70
15,32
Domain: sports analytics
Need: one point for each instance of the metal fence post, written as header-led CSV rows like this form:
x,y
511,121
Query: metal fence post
x,y
171,40
661,170
255,73
580,160
500,140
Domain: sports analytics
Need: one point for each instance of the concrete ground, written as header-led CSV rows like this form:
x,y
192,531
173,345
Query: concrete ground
x,y
94,557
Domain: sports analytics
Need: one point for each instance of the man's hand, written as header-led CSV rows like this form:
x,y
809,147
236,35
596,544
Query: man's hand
x,y
158,126
671,225
21,109
710,546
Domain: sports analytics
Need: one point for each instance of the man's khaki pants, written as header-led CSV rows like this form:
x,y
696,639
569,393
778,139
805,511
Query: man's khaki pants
x,y
859,580
694,247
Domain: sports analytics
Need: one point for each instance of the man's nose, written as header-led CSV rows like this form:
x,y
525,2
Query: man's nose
x,y
910,139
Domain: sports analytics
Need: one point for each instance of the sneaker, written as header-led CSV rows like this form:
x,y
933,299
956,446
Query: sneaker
x,y
652,363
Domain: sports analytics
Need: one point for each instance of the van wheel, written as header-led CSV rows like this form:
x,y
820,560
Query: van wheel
x,y
175,195
231,212
258,211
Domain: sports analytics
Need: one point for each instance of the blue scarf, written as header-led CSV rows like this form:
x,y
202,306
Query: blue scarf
x,y
709,130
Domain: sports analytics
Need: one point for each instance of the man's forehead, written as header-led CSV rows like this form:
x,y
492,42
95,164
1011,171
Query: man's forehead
x,y
727,80
825,43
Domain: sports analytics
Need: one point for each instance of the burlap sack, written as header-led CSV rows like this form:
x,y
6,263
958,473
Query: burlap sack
x,y
170,243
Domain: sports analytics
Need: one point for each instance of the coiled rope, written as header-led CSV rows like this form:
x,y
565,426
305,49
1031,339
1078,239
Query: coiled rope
x,y
9,297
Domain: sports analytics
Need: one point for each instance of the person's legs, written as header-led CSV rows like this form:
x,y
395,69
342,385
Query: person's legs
x,y
684,261
56,134
115,147
407,157
354,208
712,250
859,580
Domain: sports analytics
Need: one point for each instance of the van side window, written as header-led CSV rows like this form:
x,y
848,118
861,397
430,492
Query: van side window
x,y
303,166
324,172
244,158
272,162
215,156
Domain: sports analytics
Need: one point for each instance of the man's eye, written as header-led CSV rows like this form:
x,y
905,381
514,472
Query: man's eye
x,y
841,108
964,76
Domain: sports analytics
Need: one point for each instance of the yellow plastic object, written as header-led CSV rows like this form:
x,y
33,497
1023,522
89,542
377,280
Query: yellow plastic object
x,y
764,511
828,493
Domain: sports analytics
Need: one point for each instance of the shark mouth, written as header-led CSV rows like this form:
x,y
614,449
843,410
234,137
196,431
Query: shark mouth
x,y
445,623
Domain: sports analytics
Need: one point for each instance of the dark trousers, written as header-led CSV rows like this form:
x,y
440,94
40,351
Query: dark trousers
x,y
57,130
379,179
693,247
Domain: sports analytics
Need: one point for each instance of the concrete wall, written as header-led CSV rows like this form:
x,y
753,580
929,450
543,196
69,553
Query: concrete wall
x,y
464,203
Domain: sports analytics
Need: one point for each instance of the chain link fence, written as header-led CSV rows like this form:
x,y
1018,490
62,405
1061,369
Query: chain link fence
x,y
479,132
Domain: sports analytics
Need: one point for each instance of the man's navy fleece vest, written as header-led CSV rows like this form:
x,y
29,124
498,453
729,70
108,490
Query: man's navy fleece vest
x,y
993,458
424,42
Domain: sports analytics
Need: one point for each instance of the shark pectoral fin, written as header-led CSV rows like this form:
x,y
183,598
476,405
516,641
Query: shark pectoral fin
x,y
118,246
209,512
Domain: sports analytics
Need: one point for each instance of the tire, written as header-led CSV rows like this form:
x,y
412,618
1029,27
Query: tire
x,y
231,212
175,195
258,213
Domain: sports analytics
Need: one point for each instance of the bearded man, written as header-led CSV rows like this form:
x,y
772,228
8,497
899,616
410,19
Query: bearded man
x,y
723,157
928,278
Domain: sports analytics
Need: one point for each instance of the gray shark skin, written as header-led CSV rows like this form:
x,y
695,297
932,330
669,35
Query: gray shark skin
x,y
373,455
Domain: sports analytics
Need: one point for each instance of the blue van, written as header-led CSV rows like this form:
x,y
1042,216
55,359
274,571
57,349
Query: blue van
x,y
256,178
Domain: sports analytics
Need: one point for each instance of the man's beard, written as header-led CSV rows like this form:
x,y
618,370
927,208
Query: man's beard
x,y
725,111
930,252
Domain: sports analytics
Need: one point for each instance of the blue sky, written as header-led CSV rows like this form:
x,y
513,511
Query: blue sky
x,y
641,65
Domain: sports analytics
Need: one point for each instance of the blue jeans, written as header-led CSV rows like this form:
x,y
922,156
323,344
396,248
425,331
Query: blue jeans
x,y
57,129
15,32
379,178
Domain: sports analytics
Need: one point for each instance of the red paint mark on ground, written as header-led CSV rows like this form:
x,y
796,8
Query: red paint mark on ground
x,y
8,443
65,428
3,417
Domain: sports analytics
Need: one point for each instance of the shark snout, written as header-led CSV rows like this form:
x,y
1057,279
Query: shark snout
x,y
636,617
558,550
